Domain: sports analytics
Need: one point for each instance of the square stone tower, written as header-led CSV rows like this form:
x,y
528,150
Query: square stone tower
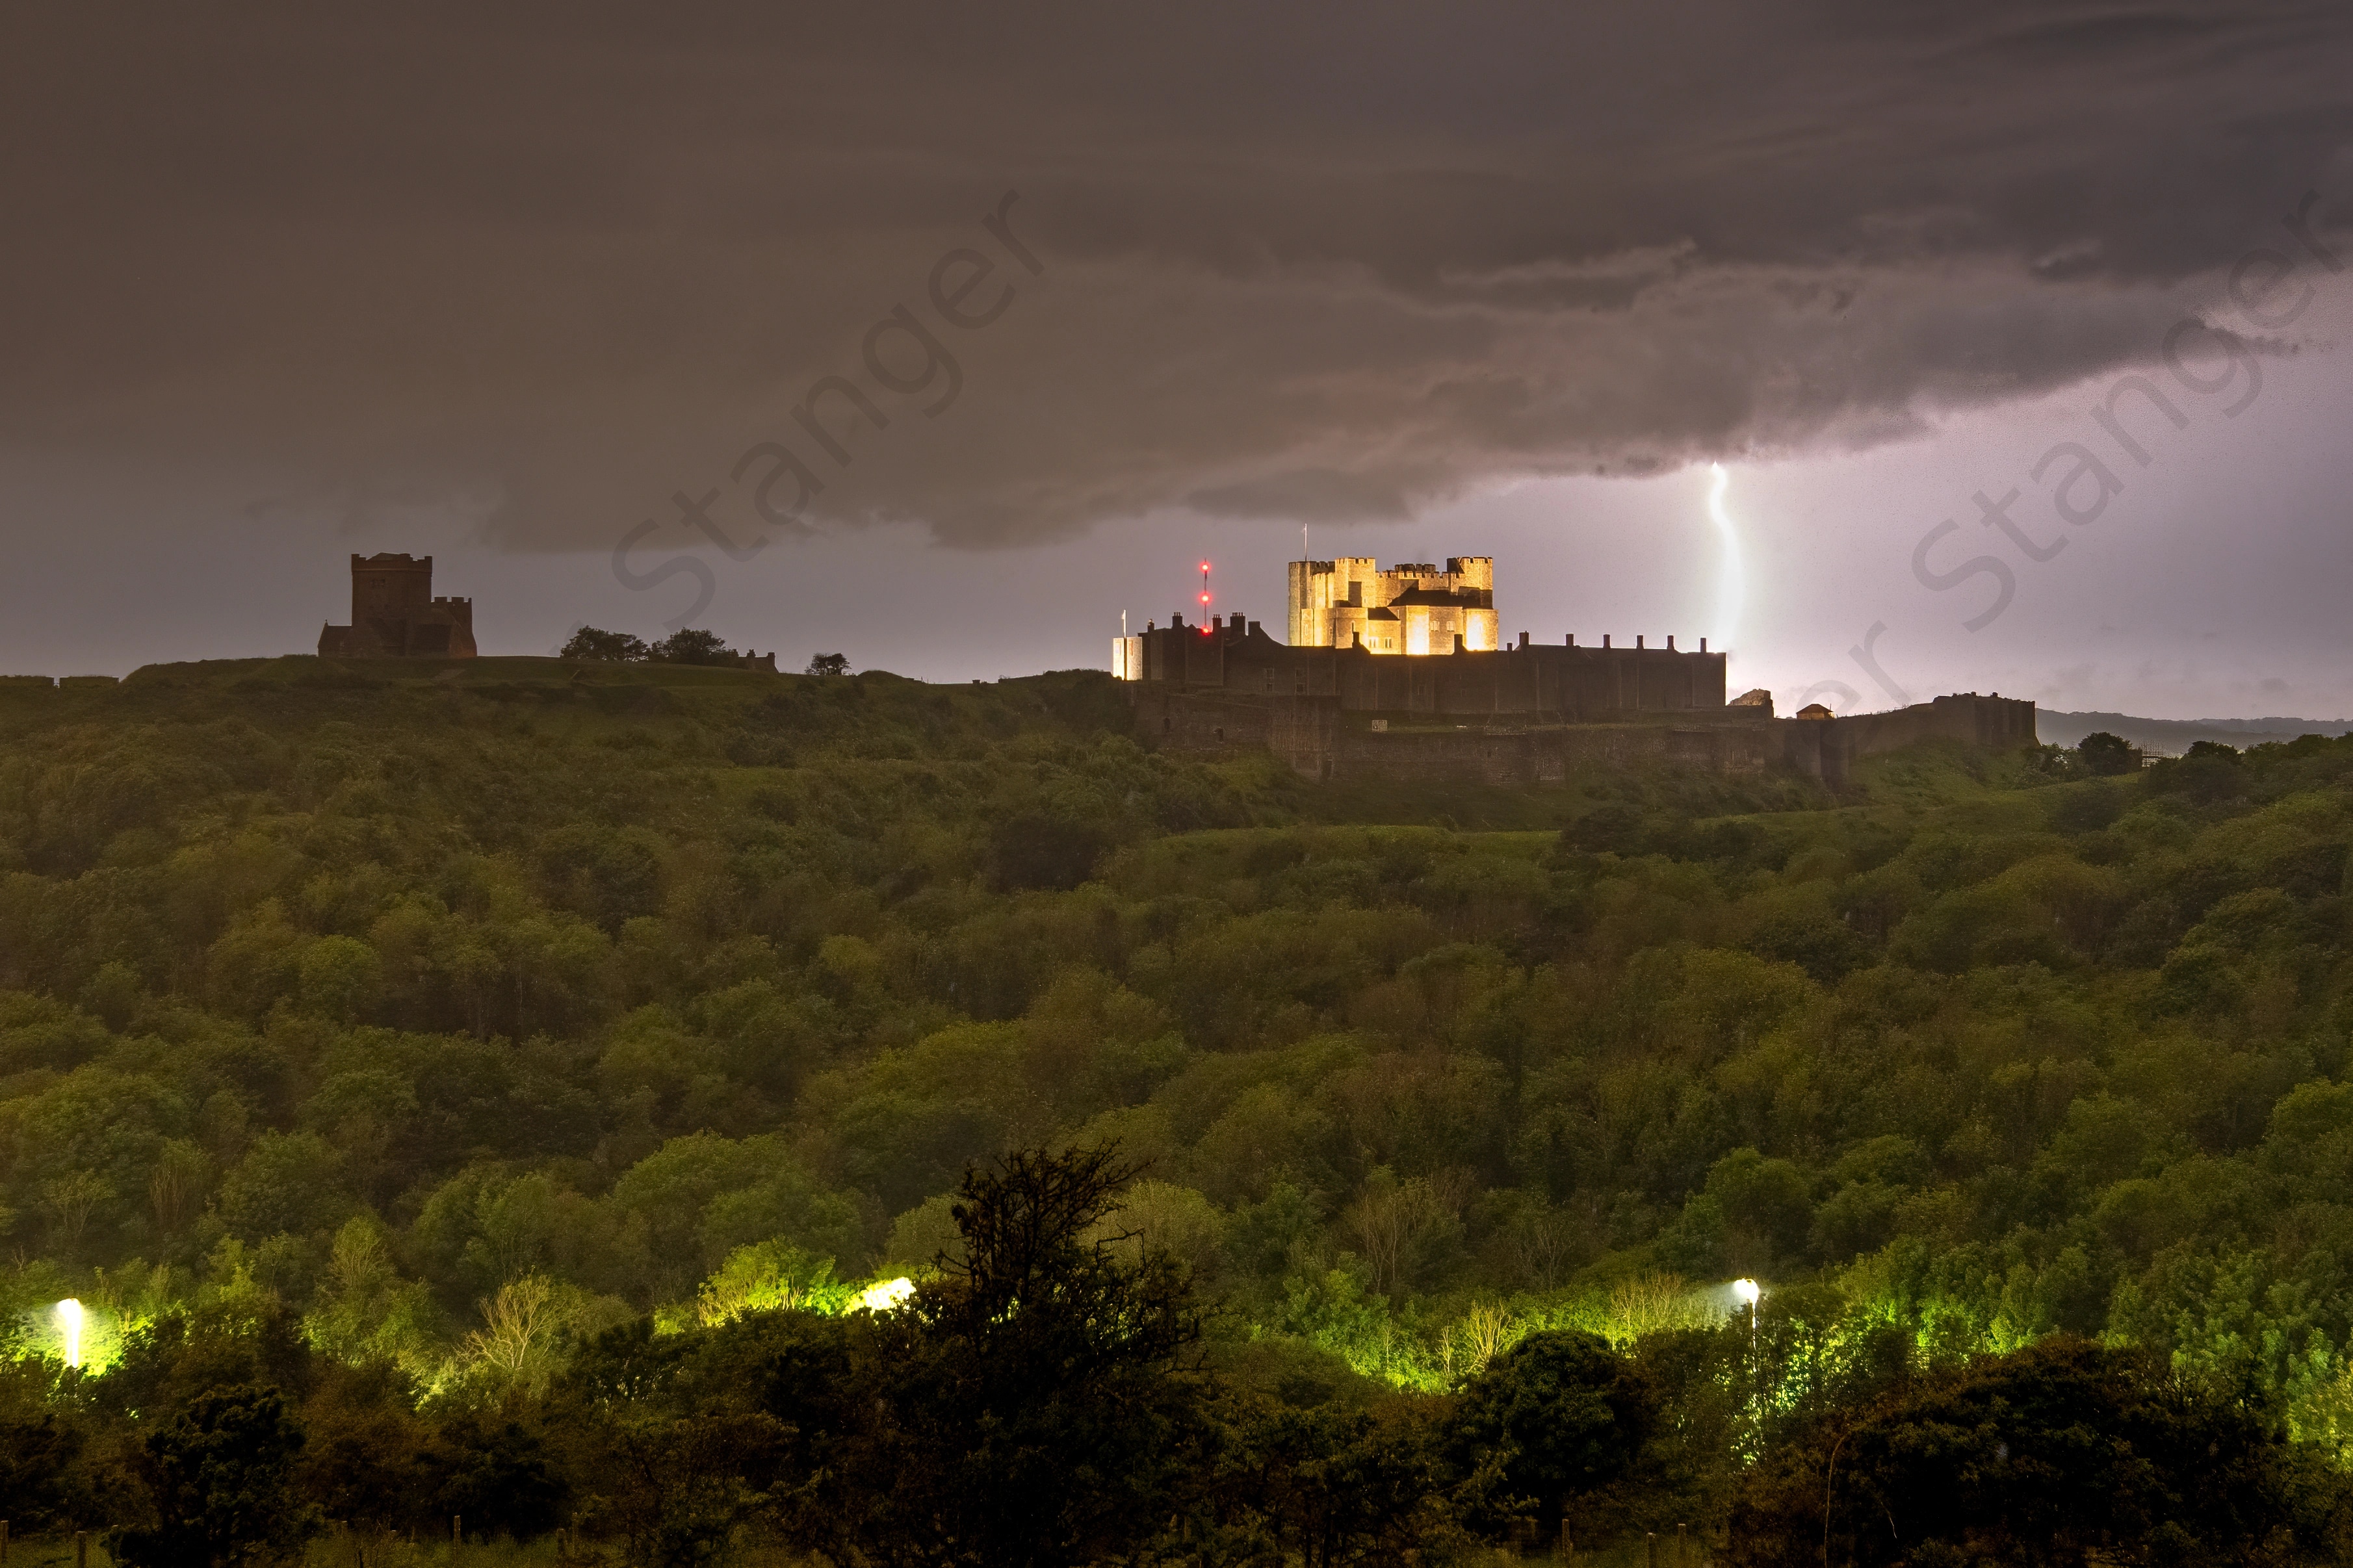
x,y
395,616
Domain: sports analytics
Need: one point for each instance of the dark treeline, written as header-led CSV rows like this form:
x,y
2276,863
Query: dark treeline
x,y
414,1059
1048,1396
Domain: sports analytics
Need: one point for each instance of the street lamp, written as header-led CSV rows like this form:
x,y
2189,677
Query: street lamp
x,y
1748,1291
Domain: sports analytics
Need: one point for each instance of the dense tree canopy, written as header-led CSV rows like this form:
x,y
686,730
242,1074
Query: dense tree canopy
x,y
439,1023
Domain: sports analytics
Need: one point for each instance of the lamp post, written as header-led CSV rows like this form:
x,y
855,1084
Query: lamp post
x,y
1748,1291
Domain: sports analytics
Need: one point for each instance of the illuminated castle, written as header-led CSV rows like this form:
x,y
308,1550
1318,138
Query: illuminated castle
x,y
1415,639
1405,673
395,616
1412,609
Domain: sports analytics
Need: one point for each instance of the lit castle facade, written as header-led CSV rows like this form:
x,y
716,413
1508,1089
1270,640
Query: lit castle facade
x,y
1412,609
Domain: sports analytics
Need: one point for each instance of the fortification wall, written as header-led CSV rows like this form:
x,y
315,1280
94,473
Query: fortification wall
x,y
1828,748
1559,679
1320,736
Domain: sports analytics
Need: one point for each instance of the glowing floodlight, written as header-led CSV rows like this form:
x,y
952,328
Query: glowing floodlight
x,y
1748,1290
886,1295
70,1329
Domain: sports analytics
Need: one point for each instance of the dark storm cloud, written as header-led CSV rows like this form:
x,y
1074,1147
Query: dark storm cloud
x,y
1313,262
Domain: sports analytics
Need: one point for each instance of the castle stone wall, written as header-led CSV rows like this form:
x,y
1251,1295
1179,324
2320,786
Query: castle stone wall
x,y
1556,679
1318,736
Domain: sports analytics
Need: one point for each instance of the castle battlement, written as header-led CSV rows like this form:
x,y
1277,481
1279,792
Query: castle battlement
x,y
1563,681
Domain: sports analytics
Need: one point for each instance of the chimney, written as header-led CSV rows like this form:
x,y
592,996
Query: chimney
x,y
1605,639
1703,645
1572,639
1524,639
1637,639
1671,642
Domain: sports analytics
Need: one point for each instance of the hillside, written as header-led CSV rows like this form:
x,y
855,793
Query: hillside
x,y
373,995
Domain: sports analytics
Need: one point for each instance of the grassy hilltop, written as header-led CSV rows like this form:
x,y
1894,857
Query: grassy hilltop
x,y
440,1018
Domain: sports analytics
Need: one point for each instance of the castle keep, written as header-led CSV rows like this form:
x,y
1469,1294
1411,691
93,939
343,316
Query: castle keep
x,y
1412,609
395,616
1404,672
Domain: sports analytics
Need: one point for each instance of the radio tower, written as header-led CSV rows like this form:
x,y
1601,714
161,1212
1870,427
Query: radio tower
x,y
1204,598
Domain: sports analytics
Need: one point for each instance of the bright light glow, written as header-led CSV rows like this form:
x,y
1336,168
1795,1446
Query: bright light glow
x,y
69,1327
1748,1290
886,1294
1730,583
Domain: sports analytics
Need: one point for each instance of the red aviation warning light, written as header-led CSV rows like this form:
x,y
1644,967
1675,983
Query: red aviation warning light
x,y
1204,598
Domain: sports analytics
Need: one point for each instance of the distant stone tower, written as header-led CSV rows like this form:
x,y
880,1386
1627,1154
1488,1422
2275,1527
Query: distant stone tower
x,y
395,616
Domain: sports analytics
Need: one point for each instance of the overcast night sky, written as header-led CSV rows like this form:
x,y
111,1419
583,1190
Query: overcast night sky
x,y
1128,287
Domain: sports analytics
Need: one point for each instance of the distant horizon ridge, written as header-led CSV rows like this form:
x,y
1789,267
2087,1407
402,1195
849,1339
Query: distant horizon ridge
x,y
2271,724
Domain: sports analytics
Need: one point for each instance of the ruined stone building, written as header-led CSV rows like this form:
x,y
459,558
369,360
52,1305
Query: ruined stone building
x,y
1453,698
395,616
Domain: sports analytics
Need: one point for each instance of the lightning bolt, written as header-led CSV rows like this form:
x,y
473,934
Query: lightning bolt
x,y
1731,581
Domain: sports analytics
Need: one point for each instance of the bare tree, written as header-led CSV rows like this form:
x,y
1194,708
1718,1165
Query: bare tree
x,y
520,1327
175,1187
69,1199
